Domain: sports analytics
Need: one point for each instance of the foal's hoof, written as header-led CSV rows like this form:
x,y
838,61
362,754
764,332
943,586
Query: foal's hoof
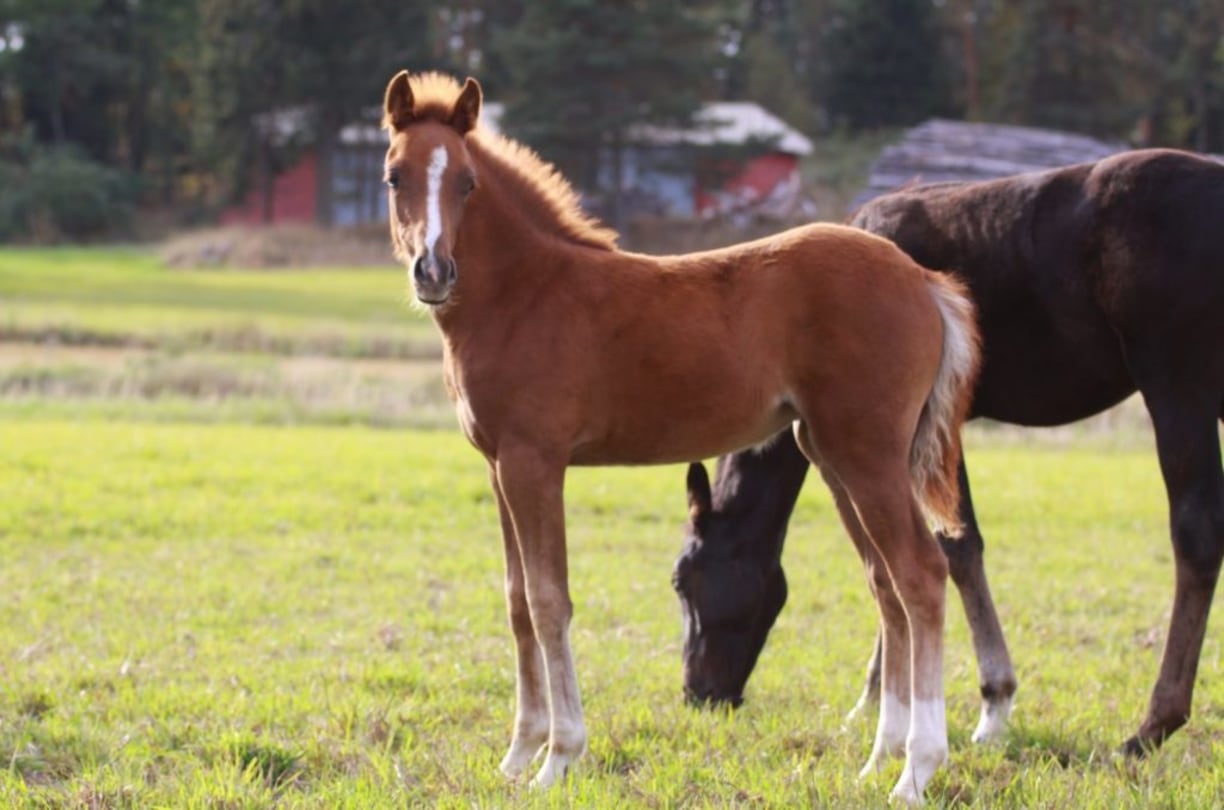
x,y
875,764
867,705
555,768
519,757
905,797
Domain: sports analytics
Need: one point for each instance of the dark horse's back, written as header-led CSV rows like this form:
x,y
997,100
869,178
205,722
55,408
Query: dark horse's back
x,y
1085,262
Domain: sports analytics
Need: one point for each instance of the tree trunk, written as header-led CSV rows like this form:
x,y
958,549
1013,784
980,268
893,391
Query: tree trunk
x,y
973,102
616,213
59,134
1201,141
324,168
267,183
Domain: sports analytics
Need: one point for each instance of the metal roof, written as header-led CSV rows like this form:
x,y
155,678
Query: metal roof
x,y
718,122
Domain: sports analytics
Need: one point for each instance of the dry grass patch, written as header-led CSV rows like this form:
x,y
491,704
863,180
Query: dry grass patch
x,y
291,245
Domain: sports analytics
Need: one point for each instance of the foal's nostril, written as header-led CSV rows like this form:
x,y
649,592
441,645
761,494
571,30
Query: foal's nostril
x,y
418,268
451,272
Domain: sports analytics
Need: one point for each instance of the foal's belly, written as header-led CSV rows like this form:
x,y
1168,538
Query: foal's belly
x,y
678,437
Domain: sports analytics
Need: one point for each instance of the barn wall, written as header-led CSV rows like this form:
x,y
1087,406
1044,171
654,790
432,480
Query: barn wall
x,y
757,180
657,182
293,197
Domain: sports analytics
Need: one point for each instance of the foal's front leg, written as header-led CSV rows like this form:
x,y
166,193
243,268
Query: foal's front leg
x,y
531,486
531,686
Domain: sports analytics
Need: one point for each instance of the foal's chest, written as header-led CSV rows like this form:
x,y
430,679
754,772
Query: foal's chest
x,y
465,409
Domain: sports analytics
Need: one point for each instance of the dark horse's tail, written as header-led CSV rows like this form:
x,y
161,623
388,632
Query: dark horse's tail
x,y
936,450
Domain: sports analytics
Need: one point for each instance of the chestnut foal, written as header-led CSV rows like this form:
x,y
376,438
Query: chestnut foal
x,y
560,349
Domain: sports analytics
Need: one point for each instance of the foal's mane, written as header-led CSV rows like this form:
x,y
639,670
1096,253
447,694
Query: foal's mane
x,y
542,193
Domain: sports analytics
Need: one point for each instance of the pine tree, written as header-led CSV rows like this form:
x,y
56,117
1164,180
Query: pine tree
x,y
887,63
325,62
774,60
585,73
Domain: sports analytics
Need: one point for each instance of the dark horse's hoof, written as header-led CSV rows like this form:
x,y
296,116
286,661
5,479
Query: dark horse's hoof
x,y
1136,748
712,702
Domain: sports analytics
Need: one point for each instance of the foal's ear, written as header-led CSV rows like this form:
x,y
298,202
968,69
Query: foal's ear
x,y
700,501
466,111
398,102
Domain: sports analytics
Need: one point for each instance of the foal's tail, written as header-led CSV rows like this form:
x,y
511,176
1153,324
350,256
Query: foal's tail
x,y
936,450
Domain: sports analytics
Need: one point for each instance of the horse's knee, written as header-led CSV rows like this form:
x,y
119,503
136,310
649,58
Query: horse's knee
x,y
550,611
878,579
922,568
517,609
964,554
921,588
1197,526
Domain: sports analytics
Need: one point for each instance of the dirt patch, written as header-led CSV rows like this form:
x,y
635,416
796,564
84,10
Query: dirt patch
x,y
279,246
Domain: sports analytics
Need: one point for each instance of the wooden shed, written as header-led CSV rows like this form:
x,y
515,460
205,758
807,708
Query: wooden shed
x,y
939,150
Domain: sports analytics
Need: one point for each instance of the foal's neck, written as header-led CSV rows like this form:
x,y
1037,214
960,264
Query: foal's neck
x,y
512,237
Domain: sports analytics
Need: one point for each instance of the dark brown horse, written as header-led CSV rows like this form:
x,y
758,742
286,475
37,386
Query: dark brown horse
x,y
560,349
1092,282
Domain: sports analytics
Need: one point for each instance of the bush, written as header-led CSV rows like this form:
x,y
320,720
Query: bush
x,y
55,193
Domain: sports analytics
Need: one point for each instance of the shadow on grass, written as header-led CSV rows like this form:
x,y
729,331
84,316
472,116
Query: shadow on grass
x,y
45,756
269,764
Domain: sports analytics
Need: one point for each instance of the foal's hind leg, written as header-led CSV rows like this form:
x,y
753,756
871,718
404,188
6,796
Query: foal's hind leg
x,y
892,645
918,571
997,678
876,501
531,698
1184,418
870,696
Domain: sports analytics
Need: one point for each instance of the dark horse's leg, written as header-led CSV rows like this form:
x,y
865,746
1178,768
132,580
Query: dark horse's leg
x,y
997,679
1184,404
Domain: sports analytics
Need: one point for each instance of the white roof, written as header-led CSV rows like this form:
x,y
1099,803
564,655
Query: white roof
x,y
718,122
734,122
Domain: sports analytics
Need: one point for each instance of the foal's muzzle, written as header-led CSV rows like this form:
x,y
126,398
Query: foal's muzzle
x,y
433,277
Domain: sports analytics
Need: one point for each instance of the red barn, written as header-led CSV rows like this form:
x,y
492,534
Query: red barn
x,y
735,157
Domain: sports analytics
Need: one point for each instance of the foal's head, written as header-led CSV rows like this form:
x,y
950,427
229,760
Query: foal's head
x,y
731,587
429,175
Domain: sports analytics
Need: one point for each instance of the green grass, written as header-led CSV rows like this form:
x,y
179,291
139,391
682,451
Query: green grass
x,y
222,588
124,296
248,616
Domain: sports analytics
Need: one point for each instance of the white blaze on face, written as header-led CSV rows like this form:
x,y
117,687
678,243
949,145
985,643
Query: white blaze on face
x,y
433,188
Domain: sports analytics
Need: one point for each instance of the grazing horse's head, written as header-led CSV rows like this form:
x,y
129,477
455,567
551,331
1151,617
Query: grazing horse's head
x,y
731,590
429,175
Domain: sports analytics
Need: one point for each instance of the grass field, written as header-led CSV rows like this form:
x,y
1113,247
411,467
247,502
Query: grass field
x,y
205,607
124,297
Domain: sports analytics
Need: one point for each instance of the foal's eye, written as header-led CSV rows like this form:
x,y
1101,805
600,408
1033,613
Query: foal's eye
x,y
393,180
467,185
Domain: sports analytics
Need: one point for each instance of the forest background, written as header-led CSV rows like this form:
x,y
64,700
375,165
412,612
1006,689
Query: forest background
x,y
122,118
